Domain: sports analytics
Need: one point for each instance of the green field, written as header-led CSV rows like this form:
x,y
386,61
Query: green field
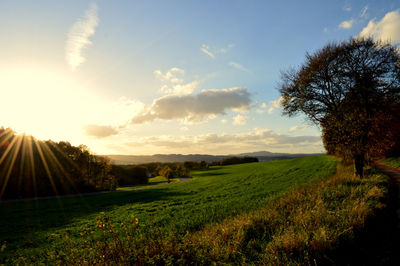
x,y
154,181
212,196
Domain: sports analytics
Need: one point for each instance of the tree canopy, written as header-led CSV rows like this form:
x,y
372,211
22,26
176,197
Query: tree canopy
x,y
351,90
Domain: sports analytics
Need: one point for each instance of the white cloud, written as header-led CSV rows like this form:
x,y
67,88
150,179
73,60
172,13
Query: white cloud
x,y
347,24
78,37
257,139
224,121
206,49
387,29
174,80
184,129
298,128
239,120
274,105
238,66
99,131
171,75
347,7
195,108
181,89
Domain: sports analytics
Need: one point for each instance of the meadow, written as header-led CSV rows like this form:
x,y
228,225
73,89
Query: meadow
x,y
229,214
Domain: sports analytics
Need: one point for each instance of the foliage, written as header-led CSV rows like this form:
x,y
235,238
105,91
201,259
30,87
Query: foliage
x,y
212,196
236,160
130,175
32,168
351,89
309,224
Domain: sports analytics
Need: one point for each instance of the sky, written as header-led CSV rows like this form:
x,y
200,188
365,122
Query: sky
x,y
151,77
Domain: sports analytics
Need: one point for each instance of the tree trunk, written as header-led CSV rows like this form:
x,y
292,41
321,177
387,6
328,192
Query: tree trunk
x,y
359,165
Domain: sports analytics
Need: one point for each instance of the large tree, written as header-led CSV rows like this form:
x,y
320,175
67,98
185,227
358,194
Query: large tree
x,y
350,89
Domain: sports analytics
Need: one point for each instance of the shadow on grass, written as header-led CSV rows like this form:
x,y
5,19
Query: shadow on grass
x,y
20,219
209,174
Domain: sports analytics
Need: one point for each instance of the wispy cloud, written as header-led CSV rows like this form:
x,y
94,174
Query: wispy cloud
x,y
347,7
171,75
363,13
173,82
257,139
206,49
347,24
298,128
387,29
78,37
274,105
262,108
239,120
212,52
238,66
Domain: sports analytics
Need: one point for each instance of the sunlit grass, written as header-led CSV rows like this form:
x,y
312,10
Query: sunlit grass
x,y
209,198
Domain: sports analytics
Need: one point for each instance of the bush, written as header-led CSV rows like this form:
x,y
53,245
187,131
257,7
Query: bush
x,y
131,175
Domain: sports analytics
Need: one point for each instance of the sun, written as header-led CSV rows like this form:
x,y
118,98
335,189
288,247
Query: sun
x,y
42,103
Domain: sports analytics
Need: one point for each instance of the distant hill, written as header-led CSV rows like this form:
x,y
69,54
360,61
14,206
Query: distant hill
x,y
164,158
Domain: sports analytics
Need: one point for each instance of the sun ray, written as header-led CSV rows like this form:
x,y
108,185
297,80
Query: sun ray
x,y
11,164
32,164
9,147
58,166
46,166
22,166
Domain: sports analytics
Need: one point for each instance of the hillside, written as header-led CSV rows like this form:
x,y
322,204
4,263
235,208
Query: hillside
x,y
209,198
165,158
288,212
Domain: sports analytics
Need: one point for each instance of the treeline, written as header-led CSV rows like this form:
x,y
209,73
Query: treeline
x,y
140,174
34,168
236,160
127,175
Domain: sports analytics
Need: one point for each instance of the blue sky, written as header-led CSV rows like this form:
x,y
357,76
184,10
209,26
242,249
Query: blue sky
x,y
146,77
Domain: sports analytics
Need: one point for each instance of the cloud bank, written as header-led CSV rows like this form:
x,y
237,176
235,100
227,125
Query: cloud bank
x,y
257,139
387,29
195,108
78,37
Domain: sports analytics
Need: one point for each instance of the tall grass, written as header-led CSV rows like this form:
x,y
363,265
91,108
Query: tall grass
x,y
307,225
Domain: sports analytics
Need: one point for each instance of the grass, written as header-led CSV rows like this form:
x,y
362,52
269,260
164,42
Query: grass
x,y
158,180
327,221
33,229
392,161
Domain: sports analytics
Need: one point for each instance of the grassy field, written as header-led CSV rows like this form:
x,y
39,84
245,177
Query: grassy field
x,y
392,161
158,180
211,197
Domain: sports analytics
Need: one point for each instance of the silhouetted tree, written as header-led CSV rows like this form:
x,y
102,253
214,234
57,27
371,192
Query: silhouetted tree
x,y
348,89
30,168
